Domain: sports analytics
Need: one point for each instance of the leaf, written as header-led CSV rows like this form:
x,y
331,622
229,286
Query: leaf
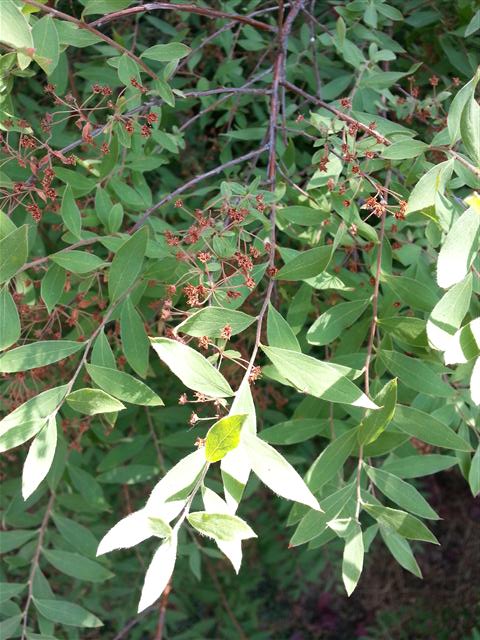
x,y
93,401
18,434
294,431
14,247
167,52
304,216
39,458
475,383
158,573
211,321
400,492
416,374
405,329
459,249
15,31
67,613
458,105
428,429
105,6
192,368
36,410
76,535
419,465
223,436
77,261
10,590
38,354
353,553
10,540
331,460
473,26
306,264
330,324
401,551
123,386
46,43
474,473
127,264
422,198
70,212
232,549
317,378
77,566
135,343
276,473
159,527
102,354
221,526
128,532
414,293
9,321
470,129
465,344
404,149
52,287
279,332
10,627
403,523
448,314
375,422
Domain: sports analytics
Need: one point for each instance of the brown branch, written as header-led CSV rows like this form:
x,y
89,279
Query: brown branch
x,y
192,182
461,159
163,610
88,27
185,8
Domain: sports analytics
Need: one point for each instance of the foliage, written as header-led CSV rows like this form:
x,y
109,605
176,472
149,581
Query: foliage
x,y
239,246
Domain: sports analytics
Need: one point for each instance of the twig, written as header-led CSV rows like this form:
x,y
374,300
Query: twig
x,y
163,611
185,8
88,27
192,182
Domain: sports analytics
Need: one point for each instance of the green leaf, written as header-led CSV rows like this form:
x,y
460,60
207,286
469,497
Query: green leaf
x,y
158,573
422,198
46,43
123,386
400,492
459,249
353,553
428,429
38,354
128,69
223,436
36,410
105,6
416,374
448,314
401,551
159,527
52,287
67,613
404,149
470,130
9,321
473,26
19,434
15,31
93,401
167,52
405,329
279,332
375,422
135,343
192,368
317,378
403,523
77,566
331,460
13,250
276,473
414,293
474,473
330,324
419,465
78,536
294,431
211,321
10,627
221,526
102,354
306,264
10,590
71,213
304,216
10,540
130,474
127,264
458,105
40,457
77,261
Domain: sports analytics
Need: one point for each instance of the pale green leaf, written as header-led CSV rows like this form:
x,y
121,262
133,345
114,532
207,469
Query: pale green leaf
x,y
38,354
93,401
40,457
